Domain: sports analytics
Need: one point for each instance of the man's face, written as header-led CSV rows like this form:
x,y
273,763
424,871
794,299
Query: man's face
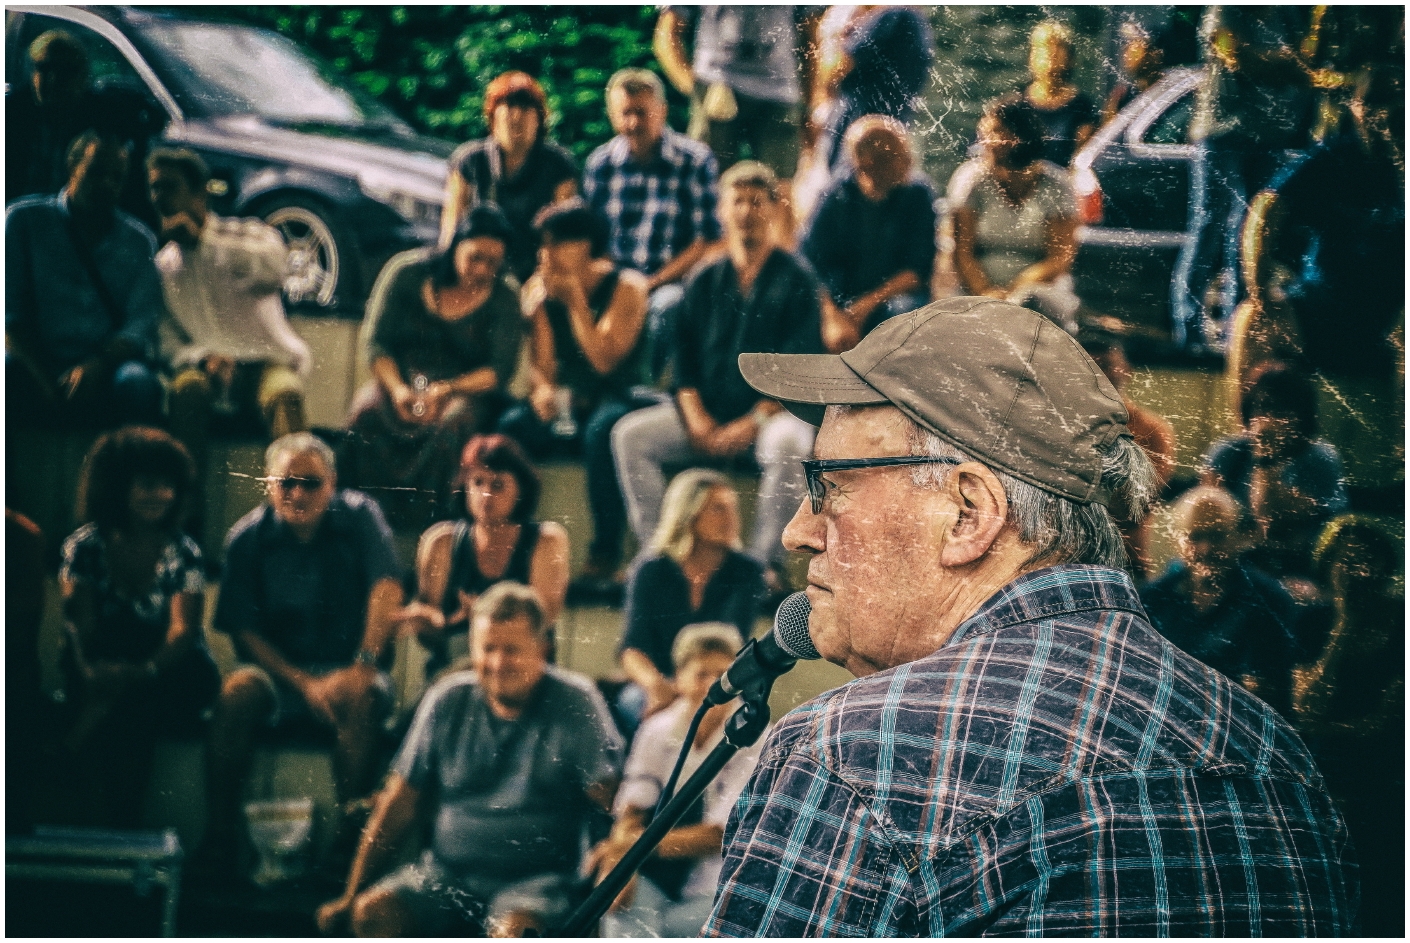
x,y
59,78
882,162
508,657
300,488
96,182
640,118
568,257
171,194
1209,538
875,548
748,216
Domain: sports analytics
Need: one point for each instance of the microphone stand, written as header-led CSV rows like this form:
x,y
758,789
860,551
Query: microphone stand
x,y
742,730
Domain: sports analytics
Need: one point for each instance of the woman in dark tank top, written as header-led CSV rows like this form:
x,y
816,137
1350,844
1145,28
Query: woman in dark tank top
x,y
496,540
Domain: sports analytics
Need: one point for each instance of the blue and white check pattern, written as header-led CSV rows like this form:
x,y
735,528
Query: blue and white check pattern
x,y
656,210
1056,768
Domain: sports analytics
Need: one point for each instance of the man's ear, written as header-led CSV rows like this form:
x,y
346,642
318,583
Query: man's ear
x,y
982,509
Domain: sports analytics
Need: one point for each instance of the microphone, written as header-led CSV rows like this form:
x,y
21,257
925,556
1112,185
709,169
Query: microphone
x,y
764,659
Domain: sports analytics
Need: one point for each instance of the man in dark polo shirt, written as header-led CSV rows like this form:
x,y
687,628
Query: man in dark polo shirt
x,y
758,297
310,593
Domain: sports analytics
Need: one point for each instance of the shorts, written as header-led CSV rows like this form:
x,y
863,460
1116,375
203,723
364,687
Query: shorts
x,y
442,902
290,708
771,130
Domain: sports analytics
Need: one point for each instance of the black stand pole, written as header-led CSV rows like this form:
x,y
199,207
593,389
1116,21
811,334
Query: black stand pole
x,y
742,730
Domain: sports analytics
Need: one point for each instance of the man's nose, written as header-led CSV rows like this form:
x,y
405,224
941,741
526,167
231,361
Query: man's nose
x,y
805,532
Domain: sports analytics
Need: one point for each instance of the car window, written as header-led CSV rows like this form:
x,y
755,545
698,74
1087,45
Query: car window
x,y
106,65
222,69
1173,125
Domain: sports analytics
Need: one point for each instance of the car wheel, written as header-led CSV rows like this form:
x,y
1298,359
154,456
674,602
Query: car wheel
x,y
317,262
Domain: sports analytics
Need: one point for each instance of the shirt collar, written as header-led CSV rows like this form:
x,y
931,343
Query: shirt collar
x,y
1053,592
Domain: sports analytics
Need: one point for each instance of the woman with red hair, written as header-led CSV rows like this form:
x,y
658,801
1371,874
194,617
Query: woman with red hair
x,y
495,538
516,166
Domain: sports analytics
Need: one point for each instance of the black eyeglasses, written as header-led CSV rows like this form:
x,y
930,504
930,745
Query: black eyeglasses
x,y
289,483
814,470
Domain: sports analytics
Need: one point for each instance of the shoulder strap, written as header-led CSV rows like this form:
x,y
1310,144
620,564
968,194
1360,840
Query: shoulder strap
x,y
461,555
90,265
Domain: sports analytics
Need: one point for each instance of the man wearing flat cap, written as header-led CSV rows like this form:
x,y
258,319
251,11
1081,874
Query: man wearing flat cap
x,y
1020,753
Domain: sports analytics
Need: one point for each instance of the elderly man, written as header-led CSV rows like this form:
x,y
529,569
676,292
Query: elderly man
x,y
1021,753
759,297
310,592
82,298
872,239
508,761
658,191
1219,609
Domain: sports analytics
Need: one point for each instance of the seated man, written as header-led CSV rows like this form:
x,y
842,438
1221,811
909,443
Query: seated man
x,y
1287,480
658,191
872,240
1214,606
586,314
82,298
757,298
508,762
310,591
227,337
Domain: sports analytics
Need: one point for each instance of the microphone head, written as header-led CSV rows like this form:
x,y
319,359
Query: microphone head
x,y
791,627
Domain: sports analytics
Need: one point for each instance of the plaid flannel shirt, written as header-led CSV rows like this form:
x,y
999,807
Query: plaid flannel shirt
x,y
1056,768
657,209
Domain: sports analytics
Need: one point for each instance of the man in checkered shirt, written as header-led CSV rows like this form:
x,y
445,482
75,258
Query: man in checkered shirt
x,y
658,190
1021,752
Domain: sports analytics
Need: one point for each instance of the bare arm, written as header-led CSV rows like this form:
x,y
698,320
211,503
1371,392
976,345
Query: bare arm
x,y
424,615
383,605
457,201
565,190
613,336
391,820
898,284
668,42
1061,240
548,570
660,690
680,266
967,267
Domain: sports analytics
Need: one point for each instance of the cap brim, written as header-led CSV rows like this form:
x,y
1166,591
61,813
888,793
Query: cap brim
x,y
807,383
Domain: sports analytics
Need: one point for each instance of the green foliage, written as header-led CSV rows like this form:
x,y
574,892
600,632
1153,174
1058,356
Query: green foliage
x,y
430,64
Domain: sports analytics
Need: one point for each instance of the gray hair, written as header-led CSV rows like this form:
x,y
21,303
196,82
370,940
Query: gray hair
x,y
298,443
1058,529
506,601
679,509
705,638
637,82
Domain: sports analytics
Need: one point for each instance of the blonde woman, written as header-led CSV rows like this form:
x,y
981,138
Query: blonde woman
x,y
694,571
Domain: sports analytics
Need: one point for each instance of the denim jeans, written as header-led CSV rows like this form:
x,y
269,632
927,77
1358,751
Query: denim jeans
x,y
609,515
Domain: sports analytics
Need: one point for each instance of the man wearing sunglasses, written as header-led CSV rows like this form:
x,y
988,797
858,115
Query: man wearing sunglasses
x,y
310,591
1020,753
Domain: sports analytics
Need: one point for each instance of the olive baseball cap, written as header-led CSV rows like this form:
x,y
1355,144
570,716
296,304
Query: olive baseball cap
x,y
996,380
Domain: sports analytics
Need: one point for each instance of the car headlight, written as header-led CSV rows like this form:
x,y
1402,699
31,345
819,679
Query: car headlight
x,y
406,205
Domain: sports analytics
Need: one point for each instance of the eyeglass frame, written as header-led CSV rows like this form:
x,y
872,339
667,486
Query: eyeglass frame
x,y
814,469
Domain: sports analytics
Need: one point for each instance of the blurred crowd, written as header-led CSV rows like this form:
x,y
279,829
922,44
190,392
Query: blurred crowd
x,y
793,216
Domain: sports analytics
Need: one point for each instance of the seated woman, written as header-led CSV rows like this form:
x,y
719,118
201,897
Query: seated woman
x,y
1015,217
586,315
495,538
872,241
695,572
515,167
134,663
675,888
442,338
